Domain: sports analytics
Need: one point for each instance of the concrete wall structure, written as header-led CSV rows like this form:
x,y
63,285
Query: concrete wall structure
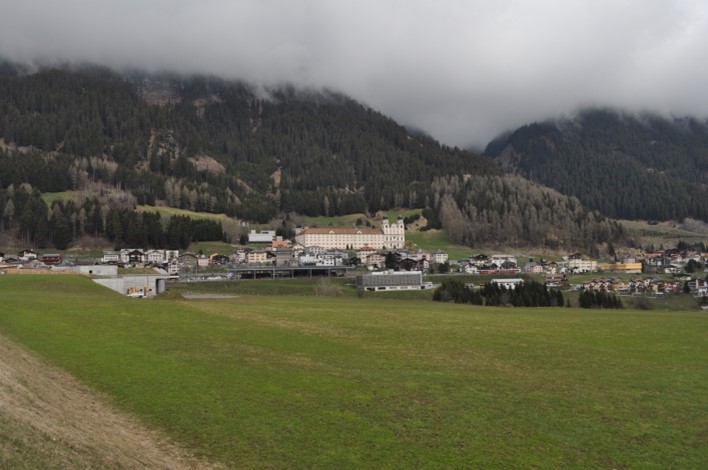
x,y
137,285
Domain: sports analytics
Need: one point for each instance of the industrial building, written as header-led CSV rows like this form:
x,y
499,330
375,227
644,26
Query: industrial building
x,y
392,280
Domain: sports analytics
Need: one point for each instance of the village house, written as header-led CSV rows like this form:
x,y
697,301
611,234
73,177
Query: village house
x,y
202,261
52,259
503,261
315,250
579,265
238,256
480,260
410,263
298,250
136,256
533,268
375,261
217,259
110,257
280,243
364,252
27,255
308,258
155,256
699,287
258,257
440,257
556,280
470,268
173,266
598,285
188,261
284,257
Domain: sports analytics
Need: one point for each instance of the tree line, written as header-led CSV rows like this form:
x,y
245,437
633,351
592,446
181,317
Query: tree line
x,y
526,294
26,215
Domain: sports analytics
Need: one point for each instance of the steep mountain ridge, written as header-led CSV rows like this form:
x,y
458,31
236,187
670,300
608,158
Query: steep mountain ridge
x,y
625,166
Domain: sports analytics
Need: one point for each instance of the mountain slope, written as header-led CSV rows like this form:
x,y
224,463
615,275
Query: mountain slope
x,y
212,145
632,167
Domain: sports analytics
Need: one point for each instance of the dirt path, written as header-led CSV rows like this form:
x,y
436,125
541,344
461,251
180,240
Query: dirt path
x,y
48,419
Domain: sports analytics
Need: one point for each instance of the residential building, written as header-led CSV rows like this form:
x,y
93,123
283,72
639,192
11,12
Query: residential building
x,y
218,259
239,256
375,261
280,243
52,258
440,257
364,252
470,269
188,261
257,257
173,266
155,256
135,256
579,265
111,257
533,268
27,255
503,261
284,257
202,261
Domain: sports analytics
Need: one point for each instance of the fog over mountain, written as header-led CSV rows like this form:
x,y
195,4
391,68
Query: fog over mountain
x,y
462,71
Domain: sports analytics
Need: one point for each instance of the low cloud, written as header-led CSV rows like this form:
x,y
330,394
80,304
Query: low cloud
x,y
463,71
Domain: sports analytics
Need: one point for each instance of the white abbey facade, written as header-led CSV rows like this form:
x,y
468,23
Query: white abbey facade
x,y
387,237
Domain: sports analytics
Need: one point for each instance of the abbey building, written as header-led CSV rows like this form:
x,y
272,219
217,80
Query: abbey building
x,y
387,237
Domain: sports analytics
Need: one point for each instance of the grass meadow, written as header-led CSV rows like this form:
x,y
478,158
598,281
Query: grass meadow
x,y
302,381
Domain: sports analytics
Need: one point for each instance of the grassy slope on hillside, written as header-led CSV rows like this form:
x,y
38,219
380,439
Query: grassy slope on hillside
x,y
433,240
666,234
303,382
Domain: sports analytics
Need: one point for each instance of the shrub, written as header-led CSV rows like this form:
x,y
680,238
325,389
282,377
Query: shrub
x,y
326,288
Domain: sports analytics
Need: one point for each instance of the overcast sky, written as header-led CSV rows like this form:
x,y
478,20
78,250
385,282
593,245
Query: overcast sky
x,y
461,70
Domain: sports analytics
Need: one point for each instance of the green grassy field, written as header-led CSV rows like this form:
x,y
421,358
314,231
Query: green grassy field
x,y
49,198
293,382
167,212
433,240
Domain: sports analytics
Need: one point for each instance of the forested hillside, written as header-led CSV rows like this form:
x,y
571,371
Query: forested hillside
x,y
211,145
631,167
513,211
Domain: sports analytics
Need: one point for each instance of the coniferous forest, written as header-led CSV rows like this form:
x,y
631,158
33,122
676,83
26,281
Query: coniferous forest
x,y
211,145
629,167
